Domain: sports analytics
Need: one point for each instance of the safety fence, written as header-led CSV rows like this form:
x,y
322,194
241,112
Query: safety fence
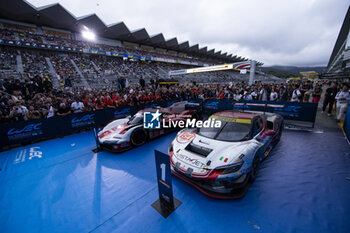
x,y
35,130
295,111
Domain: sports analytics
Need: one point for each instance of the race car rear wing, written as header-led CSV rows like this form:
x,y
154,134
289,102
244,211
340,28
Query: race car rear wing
x,y
270,110
259,107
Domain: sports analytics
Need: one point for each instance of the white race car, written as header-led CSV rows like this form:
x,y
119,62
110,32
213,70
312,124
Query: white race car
x,y
123,134
221,162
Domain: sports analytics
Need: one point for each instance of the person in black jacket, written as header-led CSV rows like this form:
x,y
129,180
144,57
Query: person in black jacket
x,y
283,94
329,98
142,83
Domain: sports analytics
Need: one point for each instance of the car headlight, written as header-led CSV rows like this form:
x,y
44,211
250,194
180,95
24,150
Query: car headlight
x,y
227,169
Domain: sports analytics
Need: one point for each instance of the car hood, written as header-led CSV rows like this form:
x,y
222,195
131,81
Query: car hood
x,y
200,153
113,130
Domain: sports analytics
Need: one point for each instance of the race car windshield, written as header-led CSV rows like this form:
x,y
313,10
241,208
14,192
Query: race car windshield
x,y
229,131
135,120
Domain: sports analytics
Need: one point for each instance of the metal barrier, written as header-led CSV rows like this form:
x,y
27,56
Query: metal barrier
x,y
34,130
295,111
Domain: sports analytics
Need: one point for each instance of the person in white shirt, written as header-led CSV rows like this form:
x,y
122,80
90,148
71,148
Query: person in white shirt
x,y
273,95
342,102
51,112
237,96
296,94
24,111
263,94
77,106
254,94
247,96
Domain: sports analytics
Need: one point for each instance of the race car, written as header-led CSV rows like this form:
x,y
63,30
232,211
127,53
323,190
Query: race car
x,y
223,161
123,134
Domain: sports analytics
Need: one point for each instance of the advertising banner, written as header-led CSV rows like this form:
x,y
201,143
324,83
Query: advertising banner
x,y
143,58
177,72
96,51
289,110
34,130
27,131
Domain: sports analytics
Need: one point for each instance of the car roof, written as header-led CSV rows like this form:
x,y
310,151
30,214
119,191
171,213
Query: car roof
x,y
235,114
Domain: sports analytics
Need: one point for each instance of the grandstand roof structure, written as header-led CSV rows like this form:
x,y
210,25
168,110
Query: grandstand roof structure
x,y
339,61
56,16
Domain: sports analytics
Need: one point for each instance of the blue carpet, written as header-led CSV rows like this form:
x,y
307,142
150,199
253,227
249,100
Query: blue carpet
x,y
61,186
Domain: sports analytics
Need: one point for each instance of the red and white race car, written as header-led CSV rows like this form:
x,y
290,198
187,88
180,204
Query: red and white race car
x,y
123,134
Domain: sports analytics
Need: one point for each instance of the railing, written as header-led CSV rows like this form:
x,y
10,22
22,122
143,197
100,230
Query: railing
x,y
34,130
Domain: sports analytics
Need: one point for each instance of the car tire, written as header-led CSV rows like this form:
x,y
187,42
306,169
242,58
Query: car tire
x,y
255,168
138,137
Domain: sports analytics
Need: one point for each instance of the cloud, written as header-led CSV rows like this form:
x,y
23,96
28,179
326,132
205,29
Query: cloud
x,y
293,32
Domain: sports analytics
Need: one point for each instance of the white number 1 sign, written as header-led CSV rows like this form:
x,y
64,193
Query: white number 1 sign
x,y
163,167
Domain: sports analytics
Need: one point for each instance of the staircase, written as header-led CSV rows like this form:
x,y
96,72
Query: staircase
x,y
95,66
54,79
82,78
19,64
162,73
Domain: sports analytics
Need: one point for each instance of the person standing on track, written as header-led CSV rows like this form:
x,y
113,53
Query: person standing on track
x,y
329,98
342,98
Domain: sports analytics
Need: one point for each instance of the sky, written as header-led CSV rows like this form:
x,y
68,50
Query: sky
x,y
275,32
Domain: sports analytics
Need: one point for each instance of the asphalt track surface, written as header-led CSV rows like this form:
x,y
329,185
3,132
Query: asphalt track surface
x,y
303,186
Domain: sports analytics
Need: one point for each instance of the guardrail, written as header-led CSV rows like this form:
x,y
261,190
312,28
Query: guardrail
x,y
35,130
295,111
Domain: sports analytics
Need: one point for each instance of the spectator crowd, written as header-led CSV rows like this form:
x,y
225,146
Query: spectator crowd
x,y
34,98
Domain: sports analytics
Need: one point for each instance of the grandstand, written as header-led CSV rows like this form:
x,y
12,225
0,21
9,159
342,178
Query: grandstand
x,y
48,42
339,62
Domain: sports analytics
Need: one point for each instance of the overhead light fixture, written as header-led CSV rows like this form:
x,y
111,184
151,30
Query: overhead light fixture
x,y
89,35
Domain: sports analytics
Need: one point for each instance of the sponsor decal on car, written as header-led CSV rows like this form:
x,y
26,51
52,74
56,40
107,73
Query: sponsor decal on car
x,y
230,119
185,137
222,158
103,134
191,161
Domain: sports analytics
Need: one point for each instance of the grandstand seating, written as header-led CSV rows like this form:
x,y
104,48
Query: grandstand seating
x,y
91,70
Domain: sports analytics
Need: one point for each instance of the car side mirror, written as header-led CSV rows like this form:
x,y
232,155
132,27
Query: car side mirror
x,y
128,117
270,132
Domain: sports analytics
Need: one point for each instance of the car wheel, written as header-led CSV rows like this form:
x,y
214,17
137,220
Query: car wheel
x,y
138,137
255,169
